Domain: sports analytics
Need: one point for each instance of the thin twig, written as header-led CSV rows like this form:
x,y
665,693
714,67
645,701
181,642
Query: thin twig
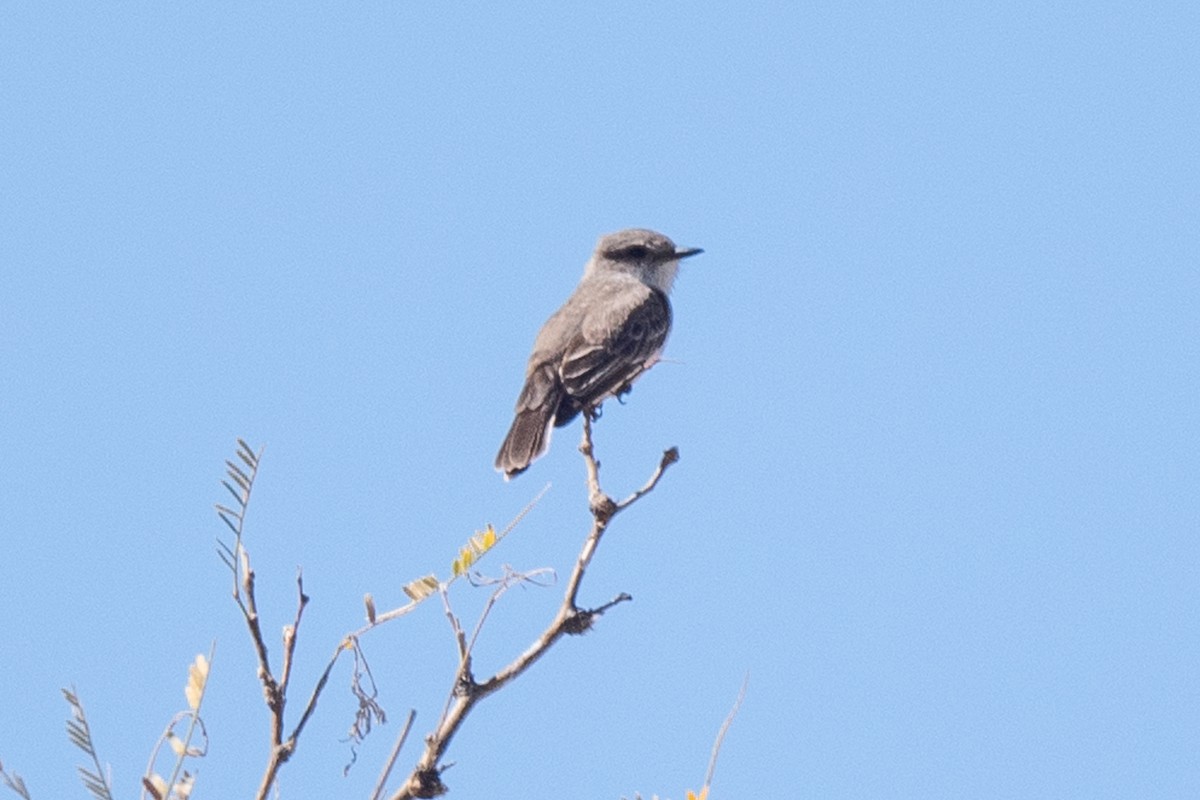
x,y
510,579
462,675
270,685
409,607
460,636
716,748
391,762
289,635
669,457
347,644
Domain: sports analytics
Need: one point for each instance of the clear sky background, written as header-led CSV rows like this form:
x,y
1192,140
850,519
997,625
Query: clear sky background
x,y
934,382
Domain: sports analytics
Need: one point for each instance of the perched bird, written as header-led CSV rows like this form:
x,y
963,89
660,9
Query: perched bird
x,y
611,329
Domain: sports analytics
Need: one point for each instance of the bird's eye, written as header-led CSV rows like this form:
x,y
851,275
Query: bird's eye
x,y
636,252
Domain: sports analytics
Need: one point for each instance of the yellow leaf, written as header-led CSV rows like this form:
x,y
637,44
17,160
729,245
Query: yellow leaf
x,y
176,743
467,558
489,538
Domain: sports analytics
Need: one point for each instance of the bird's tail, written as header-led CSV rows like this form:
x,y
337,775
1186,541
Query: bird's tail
x,y
529,435
527,439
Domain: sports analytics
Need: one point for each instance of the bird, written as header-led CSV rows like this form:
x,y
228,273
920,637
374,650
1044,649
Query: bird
x,y
609,331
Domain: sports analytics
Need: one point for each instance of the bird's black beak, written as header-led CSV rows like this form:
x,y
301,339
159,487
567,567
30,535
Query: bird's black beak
x,y
684,252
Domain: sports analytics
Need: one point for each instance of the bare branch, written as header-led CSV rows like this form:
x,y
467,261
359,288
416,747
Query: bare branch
x,y
425,780
346,644
238,560
669,457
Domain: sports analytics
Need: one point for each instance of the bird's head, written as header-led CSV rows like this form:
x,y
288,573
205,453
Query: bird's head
x,y
647,255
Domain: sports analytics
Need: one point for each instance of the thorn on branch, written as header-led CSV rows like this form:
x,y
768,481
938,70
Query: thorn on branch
x,y
285,750
465,686
427,783
602,507
670,456
579,623
584,618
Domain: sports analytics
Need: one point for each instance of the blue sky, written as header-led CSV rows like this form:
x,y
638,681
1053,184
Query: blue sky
x,y
934,382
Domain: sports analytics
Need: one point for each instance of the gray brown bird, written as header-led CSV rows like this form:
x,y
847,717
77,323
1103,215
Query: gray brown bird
x,y
611,329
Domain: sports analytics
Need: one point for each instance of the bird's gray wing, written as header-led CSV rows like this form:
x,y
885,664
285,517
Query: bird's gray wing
x,y
616,343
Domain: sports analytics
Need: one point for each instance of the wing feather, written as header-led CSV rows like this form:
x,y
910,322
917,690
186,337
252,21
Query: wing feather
x,y
612,348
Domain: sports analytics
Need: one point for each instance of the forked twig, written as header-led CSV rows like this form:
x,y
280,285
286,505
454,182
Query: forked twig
x,y
240,484
425,780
